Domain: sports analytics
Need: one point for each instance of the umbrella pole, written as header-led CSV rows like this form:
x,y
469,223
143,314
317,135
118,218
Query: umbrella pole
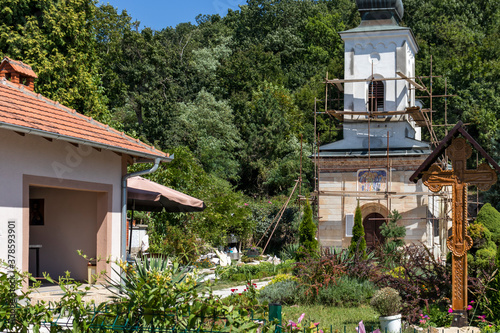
x,y
130,226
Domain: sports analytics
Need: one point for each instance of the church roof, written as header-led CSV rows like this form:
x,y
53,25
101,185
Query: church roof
x,y
440,149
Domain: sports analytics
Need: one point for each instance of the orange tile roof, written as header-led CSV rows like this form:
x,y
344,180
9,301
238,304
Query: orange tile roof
x,y
24,111
20,67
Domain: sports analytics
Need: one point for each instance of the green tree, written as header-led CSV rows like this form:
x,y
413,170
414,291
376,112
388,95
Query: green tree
x,y
358,242
226,212
271,153
307,231
58,39
207,128
393,233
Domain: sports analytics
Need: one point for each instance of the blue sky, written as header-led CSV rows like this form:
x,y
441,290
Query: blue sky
x,y
158,14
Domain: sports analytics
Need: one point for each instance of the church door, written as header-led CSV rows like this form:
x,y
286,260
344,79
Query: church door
x,y
372,224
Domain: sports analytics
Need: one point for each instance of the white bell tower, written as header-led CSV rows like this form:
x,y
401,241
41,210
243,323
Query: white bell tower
x,y
378,80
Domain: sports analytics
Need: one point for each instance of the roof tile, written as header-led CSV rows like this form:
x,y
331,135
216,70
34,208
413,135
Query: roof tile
x,y
26,110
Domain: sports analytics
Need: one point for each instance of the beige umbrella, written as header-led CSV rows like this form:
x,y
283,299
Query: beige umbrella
x,y
146,195
149,196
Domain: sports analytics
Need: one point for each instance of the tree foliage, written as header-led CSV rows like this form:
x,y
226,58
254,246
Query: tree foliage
x,y
58,39
392,232
490,218
238,91
307,231
358,242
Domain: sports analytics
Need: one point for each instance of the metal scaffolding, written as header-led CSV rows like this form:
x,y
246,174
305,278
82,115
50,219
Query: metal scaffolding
x,y
423,117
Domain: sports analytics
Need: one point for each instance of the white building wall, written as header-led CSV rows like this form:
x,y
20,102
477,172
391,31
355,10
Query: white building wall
x,y
61,161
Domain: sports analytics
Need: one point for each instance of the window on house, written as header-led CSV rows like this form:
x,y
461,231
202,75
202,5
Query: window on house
x,y
376,96
349,224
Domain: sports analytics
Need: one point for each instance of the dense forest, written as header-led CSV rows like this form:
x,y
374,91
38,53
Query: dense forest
x,y
233,97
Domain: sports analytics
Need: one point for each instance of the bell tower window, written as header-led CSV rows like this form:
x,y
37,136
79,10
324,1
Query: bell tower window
x,y
376,96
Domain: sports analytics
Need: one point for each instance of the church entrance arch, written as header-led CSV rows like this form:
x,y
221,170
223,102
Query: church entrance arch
x,y
372,224
373,217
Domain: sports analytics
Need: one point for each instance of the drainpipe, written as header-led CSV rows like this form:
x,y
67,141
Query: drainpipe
x,y
124,205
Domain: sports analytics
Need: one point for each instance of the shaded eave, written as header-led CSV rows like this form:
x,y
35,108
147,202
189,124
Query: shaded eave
x,y
372,153
142,157
440,149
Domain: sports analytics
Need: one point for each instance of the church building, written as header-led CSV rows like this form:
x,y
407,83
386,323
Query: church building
x,y
381,146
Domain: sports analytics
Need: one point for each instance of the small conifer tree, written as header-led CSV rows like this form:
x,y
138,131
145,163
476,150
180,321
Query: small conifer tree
x,y
358,233
392,232
307,231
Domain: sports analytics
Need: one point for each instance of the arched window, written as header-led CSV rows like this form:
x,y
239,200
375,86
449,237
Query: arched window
x,y
376,96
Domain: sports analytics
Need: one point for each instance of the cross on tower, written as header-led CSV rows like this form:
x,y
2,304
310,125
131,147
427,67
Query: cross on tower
x,y
459,178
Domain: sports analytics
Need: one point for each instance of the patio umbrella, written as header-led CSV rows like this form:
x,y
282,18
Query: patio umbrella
x,y
152,197
146,195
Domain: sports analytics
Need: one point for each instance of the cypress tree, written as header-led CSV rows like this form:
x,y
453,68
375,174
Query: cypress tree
x,y
307,231
358,233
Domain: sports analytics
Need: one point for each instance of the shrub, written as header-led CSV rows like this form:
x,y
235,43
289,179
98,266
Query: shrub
x,y
483,251
289,251
358,242
182,243
386,302
438,316
490,218
283,292
315,274
347,292
245,272
283,277
423,281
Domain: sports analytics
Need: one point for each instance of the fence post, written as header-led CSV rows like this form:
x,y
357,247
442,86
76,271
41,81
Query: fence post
x,y
275,313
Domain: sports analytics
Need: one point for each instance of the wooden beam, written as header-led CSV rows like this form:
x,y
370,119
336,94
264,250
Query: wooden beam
x,y
410,81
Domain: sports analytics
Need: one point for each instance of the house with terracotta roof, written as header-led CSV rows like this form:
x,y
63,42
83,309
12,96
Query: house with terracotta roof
x,y
63,181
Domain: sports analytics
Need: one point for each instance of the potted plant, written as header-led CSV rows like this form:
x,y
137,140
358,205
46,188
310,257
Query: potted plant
x,y
387,303
253,252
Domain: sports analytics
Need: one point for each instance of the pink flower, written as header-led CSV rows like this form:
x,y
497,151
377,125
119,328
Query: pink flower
x,y
245,204
361,327
301,317
269,202
450,310
469,307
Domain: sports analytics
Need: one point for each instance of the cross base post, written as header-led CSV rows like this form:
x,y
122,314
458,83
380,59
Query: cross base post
x,y
459,318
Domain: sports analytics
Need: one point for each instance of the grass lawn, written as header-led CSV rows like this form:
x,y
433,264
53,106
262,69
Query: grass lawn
x,y
334,317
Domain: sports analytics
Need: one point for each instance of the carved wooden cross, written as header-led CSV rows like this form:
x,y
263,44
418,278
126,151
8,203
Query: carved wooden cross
x,y
459,178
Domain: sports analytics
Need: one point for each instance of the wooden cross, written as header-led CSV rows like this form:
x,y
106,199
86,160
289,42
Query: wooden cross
x,y
459,178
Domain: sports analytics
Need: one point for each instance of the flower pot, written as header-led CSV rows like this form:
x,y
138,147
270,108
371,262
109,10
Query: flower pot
x,y
390,324
252,253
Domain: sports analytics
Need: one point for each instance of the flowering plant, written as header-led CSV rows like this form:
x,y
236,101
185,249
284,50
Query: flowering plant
x,y
435,315
386,302
299,327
